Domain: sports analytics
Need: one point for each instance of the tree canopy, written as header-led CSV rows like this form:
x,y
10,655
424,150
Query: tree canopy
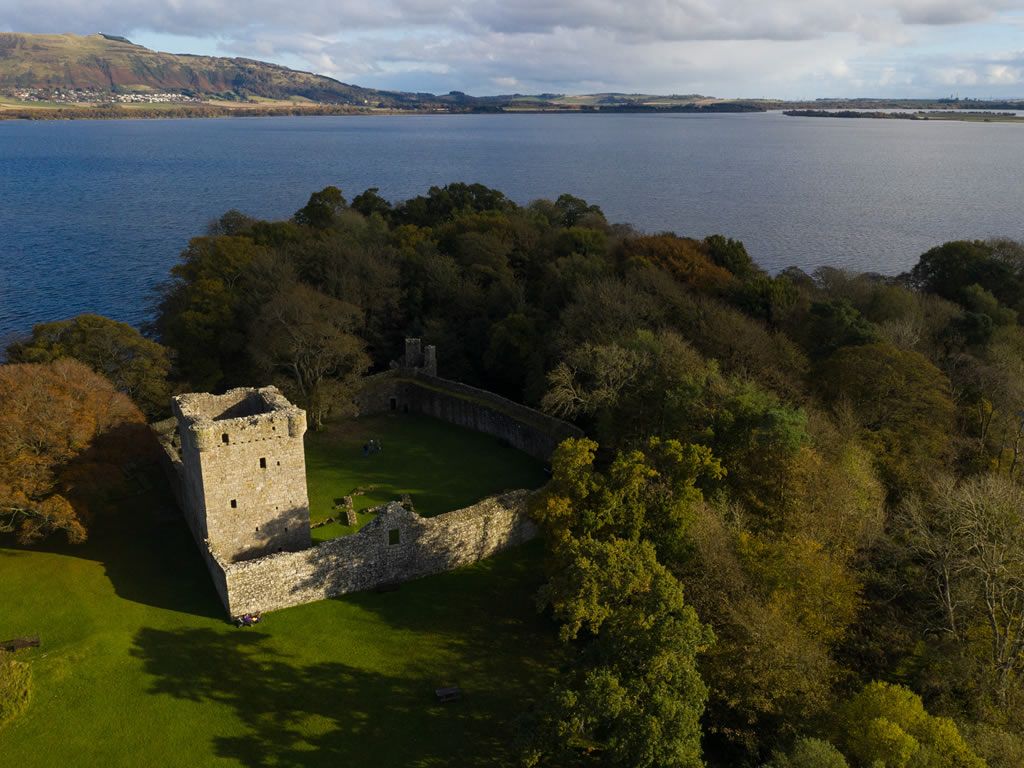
x,y
135,365
65,433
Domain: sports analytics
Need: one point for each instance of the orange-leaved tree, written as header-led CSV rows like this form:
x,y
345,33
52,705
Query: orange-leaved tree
x,y
65,434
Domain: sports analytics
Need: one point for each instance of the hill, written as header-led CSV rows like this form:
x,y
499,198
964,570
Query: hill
x,y
110,64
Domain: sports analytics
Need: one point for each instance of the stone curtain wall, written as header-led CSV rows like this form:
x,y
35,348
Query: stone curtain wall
x,y
208,473
398,545
526,429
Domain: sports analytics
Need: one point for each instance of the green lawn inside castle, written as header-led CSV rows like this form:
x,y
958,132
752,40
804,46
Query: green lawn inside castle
x,y
440,466
138,666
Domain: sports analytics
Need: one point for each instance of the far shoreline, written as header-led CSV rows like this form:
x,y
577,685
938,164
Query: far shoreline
x,y
88,112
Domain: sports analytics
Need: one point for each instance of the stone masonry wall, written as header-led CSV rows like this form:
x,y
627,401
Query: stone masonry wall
x,y
244,471
526,429
396,546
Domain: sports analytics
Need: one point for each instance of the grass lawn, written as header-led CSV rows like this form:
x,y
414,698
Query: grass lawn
x,y
443,467
138,666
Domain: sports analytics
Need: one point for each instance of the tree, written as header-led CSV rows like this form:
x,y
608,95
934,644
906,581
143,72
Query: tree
x,y
15,687
887,725
810,753
657,384
322,209
206,308
686,260
834,324
135,365
779,605
902,405
305,340
731,255
233,222
634,693
970,538
645,494
370,202
573,210
442,203
65,433
949,270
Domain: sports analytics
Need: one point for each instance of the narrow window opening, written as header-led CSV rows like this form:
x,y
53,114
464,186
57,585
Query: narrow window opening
x,y
263,463
394,537
234,503
394,404
279,463
405,409
224,438
257,529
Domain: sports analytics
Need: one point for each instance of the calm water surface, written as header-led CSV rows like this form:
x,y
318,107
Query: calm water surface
x,y
92,214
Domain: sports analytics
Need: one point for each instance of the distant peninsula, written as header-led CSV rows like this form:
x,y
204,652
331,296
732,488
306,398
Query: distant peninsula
x,y
971,116
101,76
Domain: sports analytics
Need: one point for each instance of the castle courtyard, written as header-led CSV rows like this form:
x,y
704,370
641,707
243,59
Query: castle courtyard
x,y
440,466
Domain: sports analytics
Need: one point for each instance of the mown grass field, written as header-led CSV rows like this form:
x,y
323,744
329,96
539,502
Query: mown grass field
x,y
138,666
441,466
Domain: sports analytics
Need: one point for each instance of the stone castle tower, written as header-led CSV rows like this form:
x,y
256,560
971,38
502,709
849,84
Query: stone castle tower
x,y
418,358
244,471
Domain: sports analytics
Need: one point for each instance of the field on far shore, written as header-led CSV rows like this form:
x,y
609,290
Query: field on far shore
x,y
139,667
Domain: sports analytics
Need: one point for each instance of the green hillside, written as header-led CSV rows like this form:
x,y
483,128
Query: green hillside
x,y
109,63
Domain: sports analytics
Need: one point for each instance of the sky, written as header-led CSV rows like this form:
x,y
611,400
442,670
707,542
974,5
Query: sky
x,y
727,48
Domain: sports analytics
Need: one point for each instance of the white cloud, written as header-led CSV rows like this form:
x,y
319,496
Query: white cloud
x,y
1001,74
721,47
956,76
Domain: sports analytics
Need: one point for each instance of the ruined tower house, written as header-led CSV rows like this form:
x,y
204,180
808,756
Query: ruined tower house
x,y
244,472
237,469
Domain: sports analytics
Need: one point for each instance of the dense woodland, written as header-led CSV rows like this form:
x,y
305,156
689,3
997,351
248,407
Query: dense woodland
x,y
795,534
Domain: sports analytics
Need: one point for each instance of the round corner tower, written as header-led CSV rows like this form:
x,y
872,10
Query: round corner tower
x,y
244,470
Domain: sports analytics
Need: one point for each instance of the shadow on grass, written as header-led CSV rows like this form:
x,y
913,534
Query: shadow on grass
x,y
295,713
148,560
327,701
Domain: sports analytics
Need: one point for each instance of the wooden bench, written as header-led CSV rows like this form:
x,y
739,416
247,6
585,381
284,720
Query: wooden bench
x,y
18,643
450,693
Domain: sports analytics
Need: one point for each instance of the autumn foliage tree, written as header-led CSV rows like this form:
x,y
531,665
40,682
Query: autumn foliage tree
x,y
65,432
134,364
688,261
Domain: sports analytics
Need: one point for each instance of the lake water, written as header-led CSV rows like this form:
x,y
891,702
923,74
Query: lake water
x,y
92,214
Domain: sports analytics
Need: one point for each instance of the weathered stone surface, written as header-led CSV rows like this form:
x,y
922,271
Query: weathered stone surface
x,y
243,471
376,555
404,391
